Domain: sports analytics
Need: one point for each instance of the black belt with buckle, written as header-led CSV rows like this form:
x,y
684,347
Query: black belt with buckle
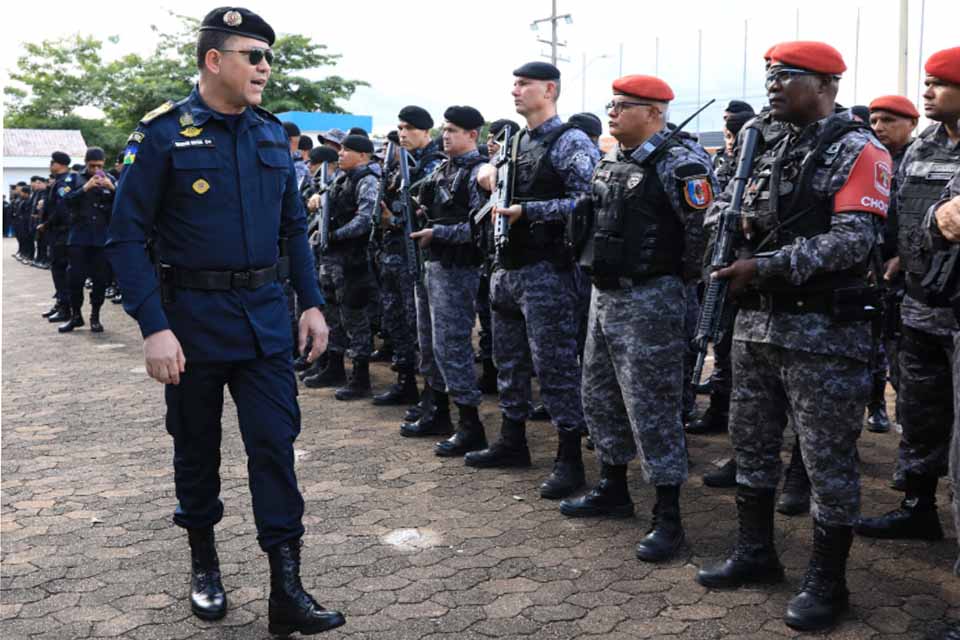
x,y
217,280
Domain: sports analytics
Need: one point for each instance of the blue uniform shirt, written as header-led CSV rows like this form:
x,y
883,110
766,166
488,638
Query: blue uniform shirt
x,y
214,192
90,214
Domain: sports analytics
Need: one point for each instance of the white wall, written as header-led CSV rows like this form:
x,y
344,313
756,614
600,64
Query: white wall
x,y
19,169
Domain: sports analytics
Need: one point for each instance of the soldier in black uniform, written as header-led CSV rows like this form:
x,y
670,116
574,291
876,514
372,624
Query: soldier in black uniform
x,y
55,227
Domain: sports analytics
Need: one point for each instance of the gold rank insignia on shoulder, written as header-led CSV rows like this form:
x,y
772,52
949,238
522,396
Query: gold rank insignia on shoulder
x,y
186,119
191,132
201,186
159,111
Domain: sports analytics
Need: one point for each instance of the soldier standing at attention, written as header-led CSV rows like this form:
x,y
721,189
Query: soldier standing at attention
x,y
533,289
210,179
633,374
802,336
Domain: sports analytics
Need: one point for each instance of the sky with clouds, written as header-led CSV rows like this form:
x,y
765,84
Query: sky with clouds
x,y
436,53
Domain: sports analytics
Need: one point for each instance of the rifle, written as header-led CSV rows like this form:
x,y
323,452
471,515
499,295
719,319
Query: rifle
x,y
324,210
414,258
382,191
728,229
502,193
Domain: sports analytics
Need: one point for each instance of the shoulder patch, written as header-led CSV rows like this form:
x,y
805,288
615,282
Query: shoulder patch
x,y
697,192
690,169
159,111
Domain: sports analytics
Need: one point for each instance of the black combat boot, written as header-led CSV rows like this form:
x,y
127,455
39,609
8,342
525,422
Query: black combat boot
x,y
425,404
568,474
823,595
51,311
539,413
95,325
76,320
610,498
795,497
208,600
358,385
383,354
754,559
404,392
666,531
509,450
877,419
724,477
292,609
487,382
434,422
63,314
332,375
314,368
917,517
714,419
469,436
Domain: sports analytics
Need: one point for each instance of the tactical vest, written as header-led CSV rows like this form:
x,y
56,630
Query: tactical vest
x,y
447,202
924,179
636,233
343,208
536,179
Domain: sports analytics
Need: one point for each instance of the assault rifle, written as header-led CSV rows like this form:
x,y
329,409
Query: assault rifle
x,y
414,257
502,193
389,152
324,209
728,229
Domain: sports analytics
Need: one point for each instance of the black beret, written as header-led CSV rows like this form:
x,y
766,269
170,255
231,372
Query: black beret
x,y
323,154
361,144
238,21
497,126
861,111
37,179
305,143
394,137
357,131
736,121
738,106
538,71
293,131
60,158
416,116
21,184
94,154
464,117
588,123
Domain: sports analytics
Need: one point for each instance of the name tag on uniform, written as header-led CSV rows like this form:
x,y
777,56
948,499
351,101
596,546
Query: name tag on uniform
x,y
203,143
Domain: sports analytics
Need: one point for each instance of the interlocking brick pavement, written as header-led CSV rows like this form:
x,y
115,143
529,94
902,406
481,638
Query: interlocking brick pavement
x,y
406,544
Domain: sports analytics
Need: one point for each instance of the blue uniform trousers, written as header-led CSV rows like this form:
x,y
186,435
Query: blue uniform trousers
x,y
265,392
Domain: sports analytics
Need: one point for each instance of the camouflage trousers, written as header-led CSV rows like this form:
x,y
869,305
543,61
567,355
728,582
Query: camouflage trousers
x,y
484,315
955,444
690,318
445,319
346,295
399,322
535,328
633,378
825,396
926,412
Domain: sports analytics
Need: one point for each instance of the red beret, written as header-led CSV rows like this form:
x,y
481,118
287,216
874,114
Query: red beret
x,y
766,56
945,65
644,87
812,56
895,104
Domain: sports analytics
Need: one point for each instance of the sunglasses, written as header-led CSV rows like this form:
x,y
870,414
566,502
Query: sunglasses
x,y
619,106
254,55
782,75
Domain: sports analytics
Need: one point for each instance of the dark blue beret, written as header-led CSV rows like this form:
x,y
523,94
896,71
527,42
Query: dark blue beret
x,y
588,123
60,158
238,21
94,154
538,71
360,144
464,117
323,154
416,116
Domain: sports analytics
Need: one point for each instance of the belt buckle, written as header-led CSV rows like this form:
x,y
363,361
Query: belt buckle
x,y
242,278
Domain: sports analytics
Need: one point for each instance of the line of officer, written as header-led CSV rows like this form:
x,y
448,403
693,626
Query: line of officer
x,y
802,335
210,180
645,243
926,344
533,289
55,227
451,278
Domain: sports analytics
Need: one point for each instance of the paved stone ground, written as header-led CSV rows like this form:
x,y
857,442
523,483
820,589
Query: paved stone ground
x,y
409,546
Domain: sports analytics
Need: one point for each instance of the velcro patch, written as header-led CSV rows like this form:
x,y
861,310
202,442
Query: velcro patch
x,y
697,193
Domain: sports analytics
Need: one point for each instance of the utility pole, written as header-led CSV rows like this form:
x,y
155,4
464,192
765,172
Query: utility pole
x,y
856,59
902,52
553,42
699,71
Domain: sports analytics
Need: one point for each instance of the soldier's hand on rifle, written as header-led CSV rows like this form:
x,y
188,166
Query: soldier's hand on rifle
x,y
487,177
424,236
891,268
948,219
314,202
513,212
386,217
740,274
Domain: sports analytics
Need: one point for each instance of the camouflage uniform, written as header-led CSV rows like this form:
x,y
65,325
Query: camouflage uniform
x,y
446,315
813,365
534,304
633,371
345,278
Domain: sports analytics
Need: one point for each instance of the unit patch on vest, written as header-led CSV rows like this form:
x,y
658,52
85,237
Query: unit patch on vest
x,y
634,180
697,192
201,186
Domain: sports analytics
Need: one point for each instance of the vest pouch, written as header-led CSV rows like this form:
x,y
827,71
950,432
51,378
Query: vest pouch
x,y
855,304
607,252
940,283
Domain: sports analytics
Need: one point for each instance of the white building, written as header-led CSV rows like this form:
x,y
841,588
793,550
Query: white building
x,y
26,152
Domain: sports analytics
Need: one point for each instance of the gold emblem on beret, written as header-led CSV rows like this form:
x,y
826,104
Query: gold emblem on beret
x,y
191,132
232,18
201,186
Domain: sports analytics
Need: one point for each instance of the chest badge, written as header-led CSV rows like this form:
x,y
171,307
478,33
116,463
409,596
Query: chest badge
x,y
186,119
634,180
201,186
191,132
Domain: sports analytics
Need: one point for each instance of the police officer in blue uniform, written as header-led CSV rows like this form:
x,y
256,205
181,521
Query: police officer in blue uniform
x,y
55,225
210,182
89,206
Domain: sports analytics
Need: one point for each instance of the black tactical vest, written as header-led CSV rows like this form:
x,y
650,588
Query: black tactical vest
x,y
343,208
447,201
636,233
536,179
930,169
